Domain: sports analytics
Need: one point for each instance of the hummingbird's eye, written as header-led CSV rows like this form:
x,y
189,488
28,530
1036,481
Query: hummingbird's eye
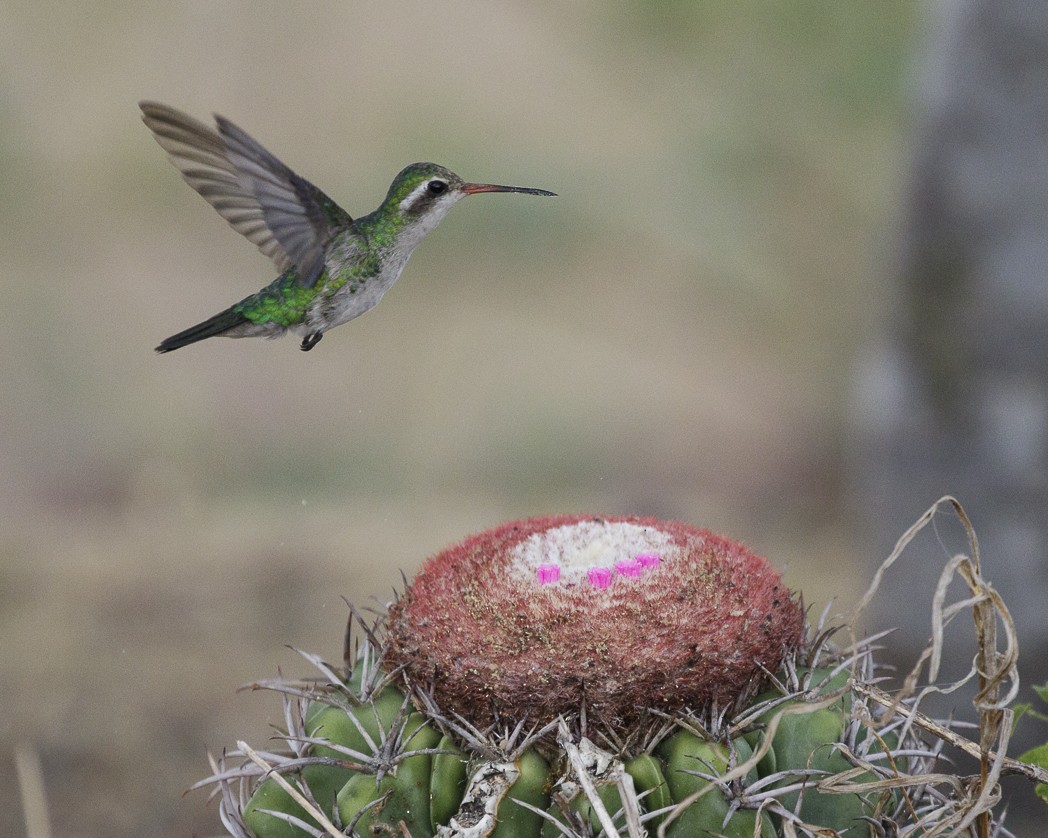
x,y
437,187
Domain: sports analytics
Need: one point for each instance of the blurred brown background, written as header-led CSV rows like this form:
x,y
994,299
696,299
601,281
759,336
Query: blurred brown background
x,y
676,334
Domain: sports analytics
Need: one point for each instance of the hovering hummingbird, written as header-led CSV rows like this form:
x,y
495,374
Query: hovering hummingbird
x,y
333,267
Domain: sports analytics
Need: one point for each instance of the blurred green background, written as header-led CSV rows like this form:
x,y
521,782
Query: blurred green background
x,y
673,335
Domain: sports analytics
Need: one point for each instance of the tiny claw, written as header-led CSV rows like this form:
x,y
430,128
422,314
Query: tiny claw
x,y
309,341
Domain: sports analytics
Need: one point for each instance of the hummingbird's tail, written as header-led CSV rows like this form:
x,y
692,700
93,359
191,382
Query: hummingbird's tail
x,y
212,327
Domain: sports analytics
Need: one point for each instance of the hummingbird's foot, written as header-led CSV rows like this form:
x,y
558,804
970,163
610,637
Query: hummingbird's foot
x,y
309,341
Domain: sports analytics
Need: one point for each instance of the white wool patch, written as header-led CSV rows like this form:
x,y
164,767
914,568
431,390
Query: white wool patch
x,y
577,549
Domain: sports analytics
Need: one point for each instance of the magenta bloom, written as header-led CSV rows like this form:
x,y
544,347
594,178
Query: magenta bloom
x,y
537,618
599,577
648,560
547,573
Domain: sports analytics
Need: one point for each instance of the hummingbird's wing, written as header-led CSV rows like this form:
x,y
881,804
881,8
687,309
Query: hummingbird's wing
x,y
286,216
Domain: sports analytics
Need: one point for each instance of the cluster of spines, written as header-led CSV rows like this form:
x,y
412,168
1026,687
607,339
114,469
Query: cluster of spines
x,y
368,756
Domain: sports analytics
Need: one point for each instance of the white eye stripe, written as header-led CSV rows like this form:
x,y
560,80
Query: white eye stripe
x,y
419,192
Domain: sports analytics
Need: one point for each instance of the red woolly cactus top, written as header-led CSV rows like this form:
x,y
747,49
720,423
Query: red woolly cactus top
x,y
539,618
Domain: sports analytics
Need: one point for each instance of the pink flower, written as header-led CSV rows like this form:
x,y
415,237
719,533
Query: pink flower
x,y
600,577
629,567
648,560
547,573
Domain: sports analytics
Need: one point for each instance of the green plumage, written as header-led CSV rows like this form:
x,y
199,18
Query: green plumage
x,y
284,301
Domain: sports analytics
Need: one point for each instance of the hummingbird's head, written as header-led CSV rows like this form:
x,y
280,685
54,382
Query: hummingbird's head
x,y
423,193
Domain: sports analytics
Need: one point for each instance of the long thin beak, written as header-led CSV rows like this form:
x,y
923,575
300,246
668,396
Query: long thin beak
x,y
472,188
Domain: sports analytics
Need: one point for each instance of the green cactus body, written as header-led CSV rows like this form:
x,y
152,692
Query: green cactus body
x,y
532,787
271,796
361,802
349,729
489,807
805,741
649,781
448,783
684,753
353,728
609,797
649,784
769,762
403,793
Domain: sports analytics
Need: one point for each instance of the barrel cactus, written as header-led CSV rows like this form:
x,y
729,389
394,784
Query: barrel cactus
x,y
579,676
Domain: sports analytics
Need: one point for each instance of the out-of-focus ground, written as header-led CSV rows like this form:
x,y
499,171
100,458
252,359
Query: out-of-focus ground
x,y
673,335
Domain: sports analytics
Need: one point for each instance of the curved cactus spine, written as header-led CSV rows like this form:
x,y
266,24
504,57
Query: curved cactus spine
x,y
692,765
596,792
262,813
347,739
342,742
401,793
807,747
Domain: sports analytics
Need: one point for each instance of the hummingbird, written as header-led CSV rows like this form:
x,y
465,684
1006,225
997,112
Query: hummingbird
x,y
332,267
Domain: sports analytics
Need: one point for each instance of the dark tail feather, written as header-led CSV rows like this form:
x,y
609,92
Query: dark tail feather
x,y
220,323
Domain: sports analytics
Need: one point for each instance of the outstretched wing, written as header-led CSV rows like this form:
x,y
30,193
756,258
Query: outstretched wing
x,y
285,215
